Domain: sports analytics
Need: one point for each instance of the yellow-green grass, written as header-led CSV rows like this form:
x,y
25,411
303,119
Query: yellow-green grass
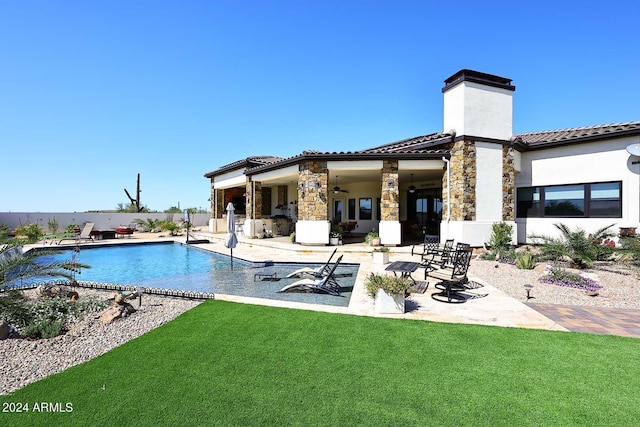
x,y
233,364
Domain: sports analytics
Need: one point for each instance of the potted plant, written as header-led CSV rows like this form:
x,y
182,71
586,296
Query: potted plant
x,y
372,238
380,255
388,292
335,235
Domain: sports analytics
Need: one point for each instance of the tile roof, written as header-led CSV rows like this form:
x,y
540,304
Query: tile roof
x,y
574,135
431,145
249,162
418,144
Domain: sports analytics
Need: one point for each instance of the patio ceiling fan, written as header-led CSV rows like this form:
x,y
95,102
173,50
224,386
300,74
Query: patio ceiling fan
x,y
337,189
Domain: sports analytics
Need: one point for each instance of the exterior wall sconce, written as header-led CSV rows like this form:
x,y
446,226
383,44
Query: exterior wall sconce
x,y
412,188
391,184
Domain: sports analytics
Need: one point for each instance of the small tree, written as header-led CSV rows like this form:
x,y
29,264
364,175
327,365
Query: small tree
x,y
52,224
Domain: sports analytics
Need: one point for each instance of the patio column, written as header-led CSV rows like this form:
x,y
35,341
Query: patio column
x,y
253,221
508,184
217,209
390,227
312,227
479,194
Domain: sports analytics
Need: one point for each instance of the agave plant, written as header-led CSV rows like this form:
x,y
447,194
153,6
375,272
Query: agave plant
x,y
580,249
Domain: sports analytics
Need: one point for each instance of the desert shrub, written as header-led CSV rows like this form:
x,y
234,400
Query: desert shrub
x,y
169,226
13,309
44,330
630,247
500,236
149,225
500,248
525,260
391,284
45,317
32,232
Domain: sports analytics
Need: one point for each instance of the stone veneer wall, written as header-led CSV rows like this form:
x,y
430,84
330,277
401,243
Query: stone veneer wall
x,y
312,199
254,190
389,203
508,184
463,181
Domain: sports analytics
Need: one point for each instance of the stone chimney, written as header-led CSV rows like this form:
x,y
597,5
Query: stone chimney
x,y
478,104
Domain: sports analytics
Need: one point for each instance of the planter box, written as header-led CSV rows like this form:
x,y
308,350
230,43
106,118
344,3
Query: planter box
x,y
388,304
334,241
380,257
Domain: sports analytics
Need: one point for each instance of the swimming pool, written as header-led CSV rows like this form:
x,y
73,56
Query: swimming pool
x,y
169,265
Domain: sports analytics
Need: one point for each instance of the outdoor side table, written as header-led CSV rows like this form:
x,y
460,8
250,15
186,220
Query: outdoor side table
x,y
271,275
405,268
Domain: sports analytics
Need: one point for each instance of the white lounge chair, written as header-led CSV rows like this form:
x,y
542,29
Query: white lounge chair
x,y
85,234
327,284
313,272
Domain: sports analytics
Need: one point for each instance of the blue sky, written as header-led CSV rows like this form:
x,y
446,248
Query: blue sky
x,y
93,93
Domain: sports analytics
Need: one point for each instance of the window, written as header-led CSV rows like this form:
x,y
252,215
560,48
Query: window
x,y
565,200
605,200
596,200
351,209
337,209
365,209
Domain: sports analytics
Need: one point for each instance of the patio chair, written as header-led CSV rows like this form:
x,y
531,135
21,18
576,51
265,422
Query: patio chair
x,y
433,252
313,272
452,275
327,284
85,234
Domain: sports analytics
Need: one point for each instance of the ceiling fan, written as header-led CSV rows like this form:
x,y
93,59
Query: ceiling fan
x,y
337,189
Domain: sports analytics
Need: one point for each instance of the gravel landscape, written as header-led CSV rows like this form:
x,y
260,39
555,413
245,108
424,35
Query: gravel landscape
x,y
620,284
26,361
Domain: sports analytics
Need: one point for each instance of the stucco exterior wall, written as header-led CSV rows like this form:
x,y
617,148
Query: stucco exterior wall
x,y
478,110
488,182
582,163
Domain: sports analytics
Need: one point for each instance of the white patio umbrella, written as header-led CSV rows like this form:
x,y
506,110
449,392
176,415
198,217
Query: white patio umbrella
x,y
231,240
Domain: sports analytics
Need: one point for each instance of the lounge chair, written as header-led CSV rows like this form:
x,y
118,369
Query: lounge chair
x,y
327,284
313,272
85,234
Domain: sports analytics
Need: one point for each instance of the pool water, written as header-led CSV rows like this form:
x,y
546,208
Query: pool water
x,y
182,267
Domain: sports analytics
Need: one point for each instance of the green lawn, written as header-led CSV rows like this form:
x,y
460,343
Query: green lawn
x,y
234,364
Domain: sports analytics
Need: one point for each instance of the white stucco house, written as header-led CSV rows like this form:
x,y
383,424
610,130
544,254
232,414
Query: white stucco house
x,y
454,183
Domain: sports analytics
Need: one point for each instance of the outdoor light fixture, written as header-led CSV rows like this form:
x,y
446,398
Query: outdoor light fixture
x,y
412,188
391,184
528,288
336,189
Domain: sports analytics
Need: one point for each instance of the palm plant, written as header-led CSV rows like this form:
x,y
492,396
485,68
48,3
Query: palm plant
x,y
580,249
15,266
149,225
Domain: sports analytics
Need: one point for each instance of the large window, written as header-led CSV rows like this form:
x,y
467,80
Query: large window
x,y
365,209
596,200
